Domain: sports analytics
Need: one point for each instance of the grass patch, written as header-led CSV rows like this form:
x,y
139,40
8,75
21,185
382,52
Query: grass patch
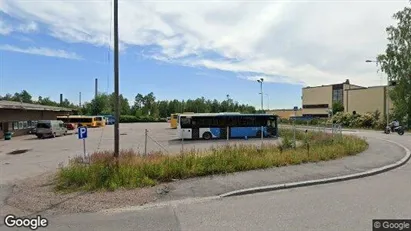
x,y
134,170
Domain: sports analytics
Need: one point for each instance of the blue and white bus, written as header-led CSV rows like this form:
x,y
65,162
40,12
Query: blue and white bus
x,y
109,119
221,125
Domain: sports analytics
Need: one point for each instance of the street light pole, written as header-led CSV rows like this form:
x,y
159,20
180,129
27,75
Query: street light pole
x,y
387,95
116,83
261,80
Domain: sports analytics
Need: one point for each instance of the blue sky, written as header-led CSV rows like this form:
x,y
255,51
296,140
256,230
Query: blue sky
x,y
49,76
53,47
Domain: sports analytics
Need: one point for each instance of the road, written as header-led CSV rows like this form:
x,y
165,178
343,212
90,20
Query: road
x,y
349,205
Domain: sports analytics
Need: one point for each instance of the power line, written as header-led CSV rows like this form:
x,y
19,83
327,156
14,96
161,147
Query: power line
x,y
108,64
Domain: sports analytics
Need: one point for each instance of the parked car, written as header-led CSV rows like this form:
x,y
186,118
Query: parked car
x,y
70,126
50,128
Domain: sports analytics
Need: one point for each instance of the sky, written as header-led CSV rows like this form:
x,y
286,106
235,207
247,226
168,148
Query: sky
x,y
188,49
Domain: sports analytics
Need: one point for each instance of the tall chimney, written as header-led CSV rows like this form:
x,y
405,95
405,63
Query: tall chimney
x,y
61,99
96,88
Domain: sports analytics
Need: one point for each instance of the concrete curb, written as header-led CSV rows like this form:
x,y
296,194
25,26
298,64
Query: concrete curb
x,y
371,172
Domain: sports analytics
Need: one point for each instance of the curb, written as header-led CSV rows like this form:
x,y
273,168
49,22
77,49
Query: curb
x,y
297,184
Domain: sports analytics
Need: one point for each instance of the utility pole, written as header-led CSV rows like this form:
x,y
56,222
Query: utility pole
x,y
261,80
95,88
116,84
79,99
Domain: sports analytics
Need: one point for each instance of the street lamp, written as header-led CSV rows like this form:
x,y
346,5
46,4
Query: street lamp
x,y
388,105
261,80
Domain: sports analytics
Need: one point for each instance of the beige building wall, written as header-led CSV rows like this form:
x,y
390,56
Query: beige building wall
x,y
285,113
316,96
365,100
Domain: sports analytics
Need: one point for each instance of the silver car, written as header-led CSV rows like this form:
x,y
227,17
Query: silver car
x,y
50,128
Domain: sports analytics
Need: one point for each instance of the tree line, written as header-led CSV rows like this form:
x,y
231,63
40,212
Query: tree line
x,y
148,105
26,97
395,62
142,105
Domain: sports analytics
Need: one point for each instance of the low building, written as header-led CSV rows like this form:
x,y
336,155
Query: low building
x,y
20,118
367,99
318,101
285,113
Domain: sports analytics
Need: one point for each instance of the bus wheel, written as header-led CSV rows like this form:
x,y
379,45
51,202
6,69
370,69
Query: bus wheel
x,y
207,136
259,134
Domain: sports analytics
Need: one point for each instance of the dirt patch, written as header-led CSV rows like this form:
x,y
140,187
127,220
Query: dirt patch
x,y
37,196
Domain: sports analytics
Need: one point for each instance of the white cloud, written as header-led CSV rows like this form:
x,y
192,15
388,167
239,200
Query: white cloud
x,y
310,42
28,28
5,29
42,51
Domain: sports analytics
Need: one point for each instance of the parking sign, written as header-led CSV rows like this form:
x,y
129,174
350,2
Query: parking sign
x,y
82,132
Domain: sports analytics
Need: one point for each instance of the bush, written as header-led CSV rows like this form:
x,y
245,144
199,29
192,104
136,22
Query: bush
x,y
135,119
134,170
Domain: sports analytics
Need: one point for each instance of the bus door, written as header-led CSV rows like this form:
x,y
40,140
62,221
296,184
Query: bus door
x,y
195,130
272,126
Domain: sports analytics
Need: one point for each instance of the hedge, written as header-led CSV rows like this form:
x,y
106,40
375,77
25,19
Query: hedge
x,y
135,119
375,120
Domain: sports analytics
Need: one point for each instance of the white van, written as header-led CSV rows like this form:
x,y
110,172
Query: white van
x,y
50,128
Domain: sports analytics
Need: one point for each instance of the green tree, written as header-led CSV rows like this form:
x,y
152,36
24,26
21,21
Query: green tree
x,y
23,96
337,107
396,63
46,101
8,97
99,105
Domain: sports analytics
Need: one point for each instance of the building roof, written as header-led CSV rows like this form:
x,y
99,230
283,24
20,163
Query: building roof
x,y
329,85
366,88
4,104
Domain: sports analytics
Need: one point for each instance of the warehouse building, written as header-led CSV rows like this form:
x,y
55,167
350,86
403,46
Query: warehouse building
x,y
318,101
20,118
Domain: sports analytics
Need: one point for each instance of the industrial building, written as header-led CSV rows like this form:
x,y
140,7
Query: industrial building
x,y
317,101
20,118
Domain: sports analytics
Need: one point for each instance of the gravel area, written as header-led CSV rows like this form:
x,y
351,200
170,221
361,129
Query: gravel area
x,y
37,196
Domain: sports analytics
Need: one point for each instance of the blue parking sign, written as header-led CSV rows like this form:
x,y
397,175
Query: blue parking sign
x,y
82,132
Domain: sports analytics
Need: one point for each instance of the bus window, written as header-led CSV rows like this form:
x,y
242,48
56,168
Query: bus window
x,y
185,122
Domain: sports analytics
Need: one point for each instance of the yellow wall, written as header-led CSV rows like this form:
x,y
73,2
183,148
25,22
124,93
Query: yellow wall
x,y
365,100
285,113
317,95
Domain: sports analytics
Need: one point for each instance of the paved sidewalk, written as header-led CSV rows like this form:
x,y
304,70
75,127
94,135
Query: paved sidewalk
x,y
379,153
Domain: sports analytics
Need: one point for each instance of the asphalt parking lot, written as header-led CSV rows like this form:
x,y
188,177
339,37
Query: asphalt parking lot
x,y
43,155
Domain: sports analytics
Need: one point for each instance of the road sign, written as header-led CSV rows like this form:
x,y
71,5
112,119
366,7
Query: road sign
x,y
82,132
295,108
